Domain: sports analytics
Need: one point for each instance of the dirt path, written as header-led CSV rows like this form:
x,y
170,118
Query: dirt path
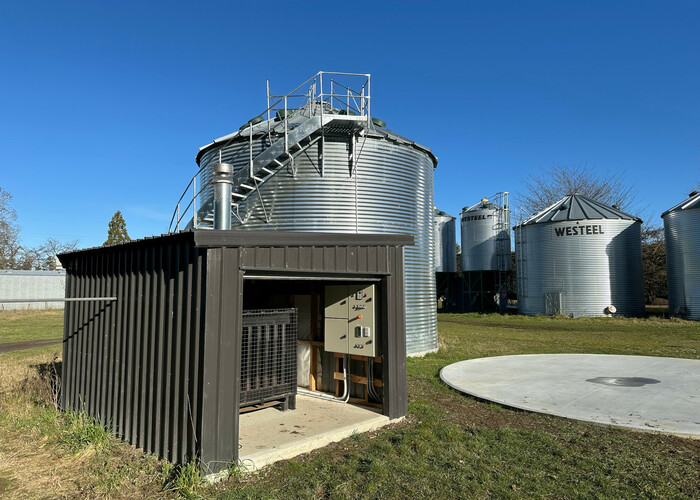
x,y
18,346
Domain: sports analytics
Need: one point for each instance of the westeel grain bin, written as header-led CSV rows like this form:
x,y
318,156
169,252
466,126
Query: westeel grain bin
x,y
682,234
445,243
579,257
322,164
486,236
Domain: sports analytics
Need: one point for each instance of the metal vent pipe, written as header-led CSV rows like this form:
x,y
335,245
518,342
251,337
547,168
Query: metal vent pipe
x,y
222,179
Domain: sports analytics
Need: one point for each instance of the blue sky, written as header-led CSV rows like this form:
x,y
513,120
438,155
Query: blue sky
x,y
103,105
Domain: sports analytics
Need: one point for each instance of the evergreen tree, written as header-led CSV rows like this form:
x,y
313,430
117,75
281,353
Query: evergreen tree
x,y
117,230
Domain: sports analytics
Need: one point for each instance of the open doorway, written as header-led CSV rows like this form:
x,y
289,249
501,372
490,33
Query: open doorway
x,y
336,394
323,366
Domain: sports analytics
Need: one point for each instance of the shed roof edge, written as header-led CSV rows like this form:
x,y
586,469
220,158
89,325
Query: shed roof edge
x,y
207,238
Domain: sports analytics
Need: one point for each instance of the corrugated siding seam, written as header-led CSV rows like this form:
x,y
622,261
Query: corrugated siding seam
x,y
354,259
589,273
221,358
682,235
115,353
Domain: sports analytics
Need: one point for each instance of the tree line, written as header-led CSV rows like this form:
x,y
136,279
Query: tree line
x,y
14,255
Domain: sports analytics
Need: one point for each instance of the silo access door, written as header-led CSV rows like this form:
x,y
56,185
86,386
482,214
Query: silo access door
x,y
553,303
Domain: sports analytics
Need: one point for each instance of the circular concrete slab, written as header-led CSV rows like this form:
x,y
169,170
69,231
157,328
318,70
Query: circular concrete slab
x,y
650,393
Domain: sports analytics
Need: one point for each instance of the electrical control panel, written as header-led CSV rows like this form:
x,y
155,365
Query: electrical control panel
x,y
349,320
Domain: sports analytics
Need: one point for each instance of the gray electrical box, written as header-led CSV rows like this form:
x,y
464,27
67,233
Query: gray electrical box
x,y
349,320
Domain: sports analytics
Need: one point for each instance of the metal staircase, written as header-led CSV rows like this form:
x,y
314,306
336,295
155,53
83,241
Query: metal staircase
x,y
502,229
520,263
287,136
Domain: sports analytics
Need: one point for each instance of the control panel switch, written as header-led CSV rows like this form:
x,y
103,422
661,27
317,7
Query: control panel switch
x,y
350,314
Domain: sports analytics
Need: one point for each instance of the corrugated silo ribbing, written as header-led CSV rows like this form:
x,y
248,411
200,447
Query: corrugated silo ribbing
x,y
578,258
445,243
485,238
682,234
391,192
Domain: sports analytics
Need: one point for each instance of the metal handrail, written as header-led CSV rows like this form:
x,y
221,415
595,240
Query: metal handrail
x,y
180,217
349,93
315,94
318,94
177,207
194,223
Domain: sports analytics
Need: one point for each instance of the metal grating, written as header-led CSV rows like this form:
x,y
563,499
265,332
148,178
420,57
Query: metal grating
x,y
269,356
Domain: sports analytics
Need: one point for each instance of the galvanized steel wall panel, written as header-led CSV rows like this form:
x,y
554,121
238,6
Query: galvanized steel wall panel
x,y
445,244
135,364
682,232
31,285
587,273
390,193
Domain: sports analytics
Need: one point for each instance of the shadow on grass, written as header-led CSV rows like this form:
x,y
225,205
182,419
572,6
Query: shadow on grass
x,y
47,387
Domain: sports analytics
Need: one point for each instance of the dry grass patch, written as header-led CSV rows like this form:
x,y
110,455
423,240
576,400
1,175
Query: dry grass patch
x,y
29,426
51,454
35,469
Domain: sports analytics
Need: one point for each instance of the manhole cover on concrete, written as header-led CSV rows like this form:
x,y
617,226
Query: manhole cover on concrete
x,y
624,381
650,393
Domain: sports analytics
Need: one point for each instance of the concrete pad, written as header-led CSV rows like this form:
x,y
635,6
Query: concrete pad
x,y
641,392
269,435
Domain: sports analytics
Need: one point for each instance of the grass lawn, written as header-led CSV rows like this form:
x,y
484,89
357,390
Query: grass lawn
x,y
450,446
20,326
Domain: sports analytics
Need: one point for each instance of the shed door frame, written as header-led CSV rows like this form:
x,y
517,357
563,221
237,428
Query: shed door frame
x,y
222,353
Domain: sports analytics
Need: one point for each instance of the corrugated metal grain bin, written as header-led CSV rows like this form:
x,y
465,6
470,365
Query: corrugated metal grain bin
x,y
325,166
682,234
161,364
445,243
485,237
580,257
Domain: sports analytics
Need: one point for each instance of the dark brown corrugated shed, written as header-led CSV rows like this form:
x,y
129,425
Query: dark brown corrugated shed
x,y
160,365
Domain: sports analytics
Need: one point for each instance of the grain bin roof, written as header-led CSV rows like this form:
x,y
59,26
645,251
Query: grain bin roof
x,y
484,204
372,130
577,207
693,201
440,213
